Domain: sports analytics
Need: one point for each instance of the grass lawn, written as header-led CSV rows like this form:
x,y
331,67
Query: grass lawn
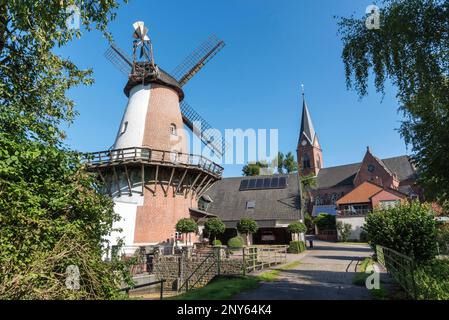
x,y
225,287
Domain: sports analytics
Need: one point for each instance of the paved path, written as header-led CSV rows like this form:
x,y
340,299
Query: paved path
x,y
325,273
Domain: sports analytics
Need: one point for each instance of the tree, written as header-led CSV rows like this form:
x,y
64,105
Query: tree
x,y
214,227
411,50
325,221
280,162
407,228
344,230
297,227
49,204
253,168
247,226
186,226
307,184
290,164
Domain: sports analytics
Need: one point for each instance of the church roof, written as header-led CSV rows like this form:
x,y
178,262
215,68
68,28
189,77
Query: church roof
x,y
344,175
306,123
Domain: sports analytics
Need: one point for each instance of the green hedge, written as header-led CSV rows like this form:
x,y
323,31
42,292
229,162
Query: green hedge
x,y
296,247
216,242
236,242
432,280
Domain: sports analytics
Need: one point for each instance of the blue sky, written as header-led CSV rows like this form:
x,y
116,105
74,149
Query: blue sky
x,y
254,82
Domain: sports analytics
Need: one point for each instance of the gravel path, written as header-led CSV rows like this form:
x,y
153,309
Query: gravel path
x,y
325,273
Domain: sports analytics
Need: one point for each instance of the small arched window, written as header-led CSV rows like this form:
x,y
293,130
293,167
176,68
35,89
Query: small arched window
x,y
173,130
124,127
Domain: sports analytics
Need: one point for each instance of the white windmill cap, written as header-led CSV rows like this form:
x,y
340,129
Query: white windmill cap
x,y
140,31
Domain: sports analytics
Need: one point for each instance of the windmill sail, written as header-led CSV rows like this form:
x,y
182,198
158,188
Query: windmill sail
x,y
191,118
119,59
197,59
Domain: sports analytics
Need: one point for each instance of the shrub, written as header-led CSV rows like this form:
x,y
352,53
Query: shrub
x,y
296,247
186,225
214,227
236,242
363,236
325,221
443,238
407,228
432,281
216,243
344,230
297,227
247,226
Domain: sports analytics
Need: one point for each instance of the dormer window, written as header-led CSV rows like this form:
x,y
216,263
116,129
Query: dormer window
x,y
173,130
124,127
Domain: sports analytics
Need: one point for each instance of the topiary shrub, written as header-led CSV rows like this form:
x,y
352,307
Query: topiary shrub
x,y
247,226
216,242
236,242
344,230
296,247
325,221
407,228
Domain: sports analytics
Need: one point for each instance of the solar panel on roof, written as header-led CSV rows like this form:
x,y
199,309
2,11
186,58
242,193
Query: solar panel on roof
x,y
282,182
274,183
263,183
266,183
252,184
244,184
259,184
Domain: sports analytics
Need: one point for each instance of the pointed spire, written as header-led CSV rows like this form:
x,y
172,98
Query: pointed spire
x,y
306,121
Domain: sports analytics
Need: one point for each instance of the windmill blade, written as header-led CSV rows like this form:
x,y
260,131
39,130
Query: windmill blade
x,y
190,118
197,59
119,59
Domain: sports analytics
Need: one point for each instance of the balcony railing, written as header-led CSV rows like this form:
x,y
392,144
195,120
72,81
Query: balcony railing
x,y
353,213
151,156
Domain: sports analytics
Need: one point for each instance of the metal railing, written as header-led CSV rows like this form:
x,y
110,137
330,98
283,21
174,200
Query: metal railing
x,y
400,266
144,285
209,261
151,156
353,213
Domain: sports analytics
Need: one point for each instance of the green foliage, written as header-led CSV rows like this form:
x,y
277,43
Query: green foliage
x,y
309,223
325,221
344,230
296,247
290,164
443,238
52,213
280,162
410,50
364,236
253,168
186,225
407,228
432,282
216,242
214,227
297,227
236,242
247,226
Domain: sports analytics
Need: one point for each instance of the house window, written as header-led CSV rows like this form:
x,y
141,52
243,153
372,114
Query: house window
x,y
267,236
318,200
306,162
334,198
173,130
386,204
124,127
250,204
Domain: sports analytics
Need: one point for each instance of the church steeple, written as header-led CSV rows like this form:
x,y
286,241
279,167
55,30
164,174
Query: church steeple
x,y
309,153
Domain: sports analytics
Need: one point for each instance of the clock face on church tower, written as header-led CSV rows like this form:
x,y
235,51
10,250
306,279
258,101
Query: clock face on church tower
x,y
303,142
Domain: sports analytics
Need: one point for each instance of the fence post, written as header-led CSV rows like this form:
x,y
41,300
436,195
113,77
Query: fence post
x,y
244,261
162,289
218,257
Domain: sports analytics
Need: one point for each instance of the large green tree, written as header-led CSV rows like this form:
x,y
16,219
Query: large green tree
x,y
52,214
253,168
410,50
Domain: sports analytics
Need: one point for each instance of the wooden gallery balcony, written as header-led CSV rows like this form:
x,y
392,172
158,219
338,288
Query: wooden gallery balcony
x,y
145,166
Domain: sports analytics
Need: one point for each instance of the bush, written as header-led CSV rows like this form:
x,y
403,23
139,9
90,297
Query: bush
x,y
325,221
443,238
214,227
296,247
236,242
297,227
407,228
363,236
432,281
344,230
216,243
247,226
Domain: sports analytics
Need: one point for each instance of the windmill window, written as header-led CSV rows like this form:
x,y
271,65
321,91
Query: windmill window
x,y
173,130
124,127
250,204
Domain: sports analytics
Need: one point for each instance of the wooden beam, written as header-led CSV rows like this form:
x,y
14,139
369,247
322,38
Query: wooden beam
x,y
192,184
180,182
205,186
208,188
129,181
108,187
117,181
142,172
156,180
200,185
169,181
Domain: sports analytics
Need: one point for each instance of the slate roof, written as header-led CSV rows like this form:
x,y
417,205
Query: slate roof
x,y
306,123
229,204
344,175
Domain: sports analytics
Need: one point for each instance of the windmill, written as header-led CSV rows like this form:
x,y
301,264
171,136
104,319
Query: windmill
x,y
146,69
149,173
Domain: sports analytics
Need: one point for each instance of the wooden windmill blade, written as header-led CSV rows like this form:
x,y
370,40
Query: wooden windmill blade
x,y
197,59
191,118
119,59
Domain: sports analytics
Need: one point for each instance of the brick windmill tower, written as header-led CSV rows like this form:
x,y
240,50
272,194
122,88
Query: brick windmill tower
x,y
152,178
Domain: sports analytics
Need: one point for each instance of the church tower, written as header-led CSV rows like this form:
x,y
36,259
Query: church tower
x,y
309,153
